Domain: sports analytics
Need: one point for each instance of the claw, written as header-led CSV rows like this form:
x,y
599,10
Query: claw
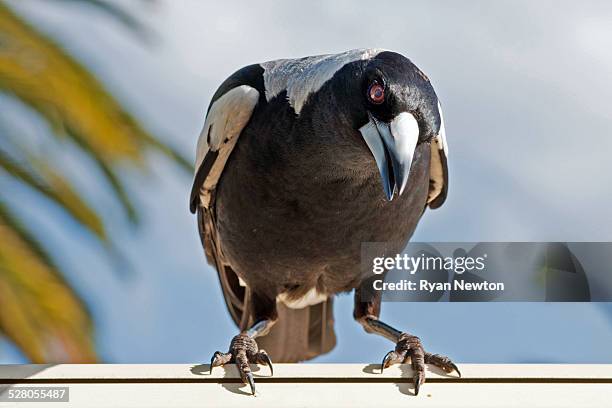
x,y
454,367
214,361
266,360
385,361
418,380
249,377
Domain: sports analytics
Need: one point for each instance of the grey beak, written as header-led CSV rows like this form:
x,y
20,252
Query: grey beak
x,y
392,145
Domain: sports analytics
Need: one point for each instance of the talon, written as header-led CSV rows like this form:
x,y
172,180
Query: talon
x,y
266,360
409,349
454,367
249,377
418,380
215,360
442,362
386,361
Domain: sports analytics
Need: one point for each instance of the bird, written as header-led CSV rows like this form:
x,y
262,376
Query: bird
x,y
298,163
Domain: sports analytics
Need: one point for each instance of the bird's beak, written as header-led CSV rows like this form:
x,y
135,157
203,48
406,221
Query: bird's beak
x,y
392,145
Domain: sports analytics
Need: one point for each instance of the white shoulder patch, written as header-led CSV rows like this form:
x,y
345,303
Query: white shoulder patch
x,y
439,147
304,76
225,120
441,138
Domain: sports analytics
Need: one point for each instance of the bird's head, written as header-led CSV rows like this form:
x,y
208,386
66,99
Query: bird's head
x,y
394,108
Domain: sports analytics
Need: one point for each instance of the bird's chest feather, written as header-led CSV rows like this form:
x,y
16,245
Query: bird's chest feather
x,y
296,219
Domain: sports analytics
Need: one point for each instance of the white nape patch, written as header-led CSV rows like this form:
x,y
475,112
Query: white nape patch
x,y
312,297
304,76
436,171
225,120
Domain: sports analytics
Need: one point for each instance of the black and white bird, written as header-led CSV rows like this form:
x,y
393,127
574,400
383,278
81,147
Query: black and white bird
x,y
299,162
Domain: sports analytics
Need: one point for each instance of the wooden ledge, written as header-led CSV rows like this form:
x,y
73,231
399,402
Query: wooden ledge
x,y
154,385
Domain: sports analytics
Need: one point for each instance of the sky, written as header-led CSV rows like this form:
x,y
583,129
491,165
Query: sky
x,y
525,88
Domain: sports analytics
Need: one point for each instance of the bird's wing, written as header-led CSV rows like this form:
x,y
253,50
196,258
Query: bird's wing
x,y
233,292
226,118
229,112
299,334
438,168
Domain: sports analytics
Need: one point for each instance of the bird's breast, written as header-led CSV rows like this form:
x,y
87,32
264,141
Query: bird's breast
x,y
291,223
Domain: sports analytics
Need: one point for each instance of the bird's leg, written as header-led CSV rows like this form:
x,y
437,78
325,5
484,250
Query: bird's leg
x,y
407,346
243,347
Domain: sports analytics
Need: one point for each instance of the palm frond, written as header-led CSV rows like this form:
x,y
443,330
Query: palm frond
x,y
38,310
46,180
38,72
117,13
110,175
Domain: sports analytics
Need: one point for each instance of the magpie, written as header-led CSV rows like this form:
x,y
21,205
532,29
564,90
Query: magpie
x,y
299,162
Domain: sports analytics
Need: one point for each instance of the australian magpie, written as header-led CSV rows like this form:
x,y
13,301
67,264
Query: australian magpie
x,y
300,161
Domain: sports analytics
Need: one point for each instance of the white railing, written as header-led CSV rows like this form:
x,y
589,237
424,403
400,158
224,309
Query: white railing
x,y
315,385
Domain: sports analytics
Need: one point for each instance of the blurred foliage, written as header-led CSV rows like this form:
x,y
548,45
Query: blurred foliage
x,y
39,311
117,13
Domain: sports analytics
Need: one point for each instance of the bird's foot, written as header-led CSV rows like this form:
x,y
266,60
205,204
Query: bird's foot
x,y
409,348
242,351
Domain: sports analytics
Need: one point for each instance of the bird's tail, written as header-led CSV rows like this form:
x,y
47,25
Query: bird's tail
x,y
300,334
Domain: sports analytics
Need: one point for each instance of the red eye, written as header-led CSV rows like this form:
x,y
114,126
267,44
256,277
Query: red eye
x,y
376,93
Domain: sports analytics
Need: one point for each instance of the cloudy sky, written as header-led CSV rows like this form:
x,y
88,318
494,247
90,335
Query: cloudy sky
x,y
526,92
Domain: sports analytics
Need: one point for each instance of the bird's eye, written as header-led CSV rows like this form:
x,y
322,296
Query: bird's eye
x,y
376,93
